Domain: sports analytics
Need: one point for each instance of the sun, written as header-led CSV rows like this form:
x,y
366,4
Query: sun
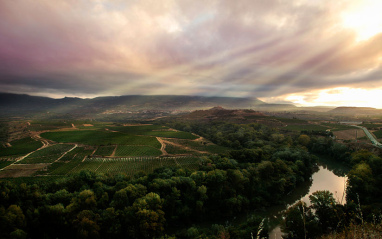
x,y
340,96
365,18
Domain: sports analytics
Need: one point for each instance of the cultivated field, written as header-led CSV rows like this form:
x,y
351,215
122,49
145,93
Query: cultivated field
x,y
64,148
303,125
349,134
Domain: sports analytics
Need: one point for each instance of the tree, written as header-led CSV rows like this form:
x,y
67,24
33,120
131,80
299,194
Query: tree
x,y
86,200
86,224
360,182
304,140
150,218
14,217
300,222
324,206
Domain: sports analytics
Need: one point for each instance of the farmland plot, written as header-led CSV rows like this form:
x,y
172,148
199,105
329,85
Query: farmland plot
x,y
48,125
192,145
131,150
20,147
173,149
172,134
105,150
154,130
69,162
98,137
137,130
47,155
21,170
128,165
5,162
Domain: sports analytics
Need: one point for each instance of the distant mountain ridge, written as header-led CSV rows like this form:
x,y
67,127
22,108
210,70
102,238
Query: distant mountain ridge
x,y
356,110
15,104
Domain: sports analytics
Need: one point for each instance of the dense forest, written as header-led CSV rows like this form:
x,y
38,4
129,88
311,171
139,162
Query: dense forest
x,y
263,166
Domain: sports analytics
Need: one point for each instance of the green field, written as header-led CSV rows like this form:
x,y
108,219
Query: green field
x,y
137,130
105,150
153,130
75,153
378,134
195,145
136,149
69,162
47,155
98,137
48,125
173,149
172,134
292,121
308,127
129,150
4,163
126,165
338,127
20,147
372,126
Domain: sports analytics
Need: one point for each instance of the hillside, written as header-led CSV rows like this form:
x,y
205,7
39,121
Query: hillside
x,y
21,105
356,110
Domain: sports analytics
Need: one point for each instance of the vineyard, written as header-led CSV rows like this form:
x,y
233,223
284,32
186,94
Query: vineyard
x,y
48,125
172,134
137,130
173,149
123,165
378,134
102,148
128,150
68,163
105,150
5,162
20,147
100,137
46,155
188,146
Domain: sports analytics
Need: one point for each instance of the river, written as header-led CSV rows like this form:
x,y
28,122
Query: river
x,y
329,176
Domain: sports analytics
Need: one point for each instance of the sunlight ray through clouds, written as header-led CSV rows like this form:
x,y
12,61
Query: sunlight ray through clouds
x,y
214,48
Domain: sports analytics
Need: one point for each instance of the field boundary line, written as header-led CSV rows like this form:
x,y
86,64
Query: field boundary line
x,y
99,165
115,149
94,151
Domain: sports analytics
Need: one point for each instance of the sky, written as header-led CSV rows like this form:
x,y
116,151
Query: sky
x,y
308,52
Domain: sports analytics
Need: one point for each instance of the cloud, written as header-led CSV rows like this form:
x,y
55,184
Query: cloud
x,y
247,48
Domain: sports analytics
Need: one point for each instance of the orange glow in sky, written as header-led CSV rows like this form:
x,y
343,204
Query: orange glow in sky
x,y
310,52
341,96
365,18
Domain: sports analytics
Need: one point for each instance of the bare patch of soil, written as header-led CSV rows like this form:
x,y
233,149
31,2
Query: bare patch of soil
x,y
349,134
115,149
21,170
163,146
135,124
185,147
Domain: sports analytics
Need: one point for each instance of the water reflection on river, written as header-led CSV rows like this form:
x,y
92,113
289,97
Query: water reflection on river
x,y
329,177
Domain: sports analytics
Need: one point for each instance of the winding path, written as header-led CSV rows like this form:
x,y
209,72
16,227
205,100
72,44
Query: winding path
x,y
163,146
